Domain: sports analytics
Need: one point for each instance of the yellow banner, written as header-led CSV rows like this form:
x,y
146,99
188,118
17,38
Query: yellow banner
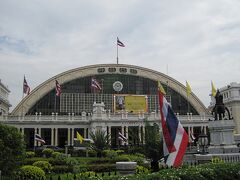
x,y
130,103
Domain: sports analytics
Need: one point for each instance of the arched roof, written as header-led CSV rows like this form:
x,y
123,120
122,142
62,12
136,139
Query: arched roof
x,y
92,70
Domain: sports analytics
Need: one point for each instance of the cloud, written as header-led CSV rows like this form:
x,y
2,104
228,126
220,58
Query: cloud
x,y
197,40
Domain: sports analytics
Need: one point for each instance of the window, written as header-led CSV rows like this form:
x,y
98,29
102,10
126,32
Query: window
x,y
122,70
101,70
111,69
133,71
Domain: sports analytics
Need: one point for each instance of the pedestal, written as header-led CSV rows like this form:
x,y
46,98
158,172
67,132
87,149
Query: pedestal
x,y
221,137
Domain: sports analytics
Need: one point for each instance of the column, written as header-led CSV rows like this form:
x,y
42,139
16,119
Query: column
x,y
72,137
143,131
22,131
127,135
109,134
139,134
39,132
35,132
122,131
69,137
205,129
52,136
189,132
56,136
84,133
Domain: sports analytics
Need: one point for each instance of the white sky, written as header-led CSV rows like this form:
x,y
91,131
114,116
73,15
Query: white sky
x,y
198,40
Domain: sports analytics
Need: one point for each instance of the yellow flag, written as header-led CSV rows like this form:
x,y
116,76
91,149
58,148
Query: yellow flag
x,y
189,90
80,138
160,88
214,91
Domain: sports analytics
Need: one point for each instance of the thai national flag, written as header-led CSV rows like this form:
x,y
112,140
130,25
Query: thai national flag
x,y
58,89
119,43
95,84
39,138
175,138
122,137
26,88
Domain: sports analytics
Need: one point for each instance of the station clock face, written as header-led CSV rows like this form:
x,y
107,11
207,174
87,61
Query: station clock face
x,y
117,86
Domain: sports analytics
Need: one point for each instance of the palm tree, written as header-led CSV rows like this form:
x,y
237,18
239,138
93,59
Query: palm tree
x,y
153,145
101,141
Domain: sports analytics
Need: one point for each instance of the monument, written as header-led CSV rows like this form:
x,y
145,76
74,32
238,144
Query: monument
x,y
221,129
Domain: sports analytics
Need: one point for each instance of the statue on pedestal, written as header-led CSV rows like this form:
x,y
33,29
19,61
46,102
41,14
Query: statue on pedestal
x,y
219,108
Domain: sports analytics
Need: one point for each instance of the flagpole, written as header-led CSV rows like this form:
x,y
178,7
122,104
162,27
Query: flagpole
x,y
102,91
55,103
55,100
117,53
23,93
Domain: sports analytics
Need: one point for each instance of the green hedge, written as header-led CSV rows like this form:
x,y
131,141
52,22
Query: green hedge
x,y
30,154
44,165
221,171
30,172
47,152
30,161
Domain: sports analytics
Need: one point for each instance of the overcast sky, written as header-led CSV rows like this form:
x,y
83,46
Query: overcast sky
x,y
198,40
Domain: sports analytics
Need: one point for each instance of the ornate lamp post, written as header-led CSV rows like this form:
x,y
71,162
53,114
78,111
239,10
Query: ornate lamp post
x,y
203,141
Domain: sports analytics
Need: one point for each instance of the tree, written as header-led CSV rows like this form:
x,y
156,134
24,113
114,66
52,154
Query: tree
x,y
12,148
153,145
101,141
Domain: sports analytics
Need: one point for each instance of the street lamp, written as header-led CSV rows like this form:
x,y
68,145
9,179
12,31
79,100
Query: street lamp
x,y
203,141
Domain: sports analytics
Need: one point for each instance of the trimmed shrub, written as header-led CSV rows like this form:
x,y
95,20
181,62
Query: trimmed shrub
x,y
57,161
30,154
110,154
31,172
44,165
30,161
85,174
101,168
61,169
80,168
123,157
100,161
92,153
47,152
55,154
142,170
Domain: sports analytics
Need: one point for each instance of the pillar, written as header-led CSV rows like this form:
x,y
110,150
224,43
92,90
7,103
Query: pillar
x,y
52,136
72,139
35,132
40,134
109,134
69,137
84,133
143,132
139,134
56,136
127,135
205,129
122,131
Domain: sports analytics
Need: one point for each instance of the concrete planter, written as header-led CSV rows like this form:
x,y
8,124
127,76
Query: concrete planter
x,y
126,168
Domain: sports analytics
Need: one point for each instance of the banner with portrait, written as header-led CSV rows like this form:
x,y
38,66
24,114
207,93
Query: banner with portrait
x,y
130,103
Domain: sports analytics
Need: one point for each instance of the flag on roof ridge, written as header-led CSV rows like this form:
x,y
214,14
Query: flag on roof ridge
x,y
95,84
58,89
175,138
188,88
119,43
26,88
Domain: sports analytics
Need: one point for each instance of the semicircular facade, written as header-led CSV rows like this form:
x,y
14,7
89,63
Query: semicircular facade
x,y
116,81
